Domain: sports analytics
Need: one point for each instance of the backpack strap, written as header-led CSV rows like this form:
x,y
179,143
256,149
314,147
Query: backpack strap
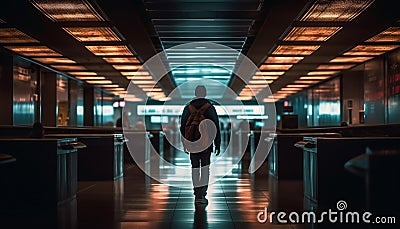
x,y
201,110
204,108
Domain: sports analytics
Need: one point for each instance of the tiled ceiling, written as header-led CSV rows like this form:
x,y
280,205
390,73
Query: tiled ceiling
x,y
293,42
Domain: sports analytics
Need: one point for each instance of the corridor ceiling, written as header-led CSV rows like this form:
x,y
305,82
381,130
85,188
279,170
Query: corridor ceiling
x,y
295,43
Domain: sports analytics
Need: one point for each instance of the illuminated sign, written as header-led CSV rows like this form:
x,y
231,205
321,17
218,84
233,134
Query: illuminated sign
x,y
176,110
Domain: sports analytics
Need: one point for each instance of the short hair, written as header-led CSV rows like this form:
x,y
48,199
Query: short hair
x,y
201,91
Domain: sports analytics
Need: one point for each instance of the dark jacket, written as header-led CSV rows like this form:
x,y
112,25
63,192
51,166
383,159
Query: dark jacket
x,y
210,113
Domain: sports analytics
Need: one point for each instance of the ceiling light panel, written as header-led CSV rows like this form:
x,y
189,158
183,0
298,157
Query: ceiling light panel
x,y
54,60
92,34
112,60
336,10
334,67
392,34
283,59
370,50
311,33
13,35
314,77
127,67
316,73
71,10
91,77
350,59
33,50
275,67
83,73
68,67
104,50
99,81
302,50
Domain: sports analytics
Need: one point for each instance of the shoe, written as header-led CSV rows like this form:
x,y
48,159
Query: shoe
x,y
201,200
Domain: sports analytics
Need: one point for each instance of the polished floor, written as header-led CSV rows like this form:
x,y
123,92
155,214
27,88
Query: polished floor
x,y
140,202
137,201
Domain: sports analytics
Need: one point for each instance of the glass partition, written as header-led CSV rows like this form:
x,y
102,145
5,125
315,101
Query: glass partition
x,y
25,94
63,112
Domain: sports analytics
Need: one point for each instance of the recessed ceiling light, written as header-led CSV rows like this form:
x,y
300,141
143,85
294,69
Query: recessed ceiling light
x,y
121,60
311,33
314,73
54,60
370,50
392,34
99,81
12,35
274,67
92,34
336,10
335,67
109,50
33,50
302,50
71,10
283,60
350,59
127,67
68,67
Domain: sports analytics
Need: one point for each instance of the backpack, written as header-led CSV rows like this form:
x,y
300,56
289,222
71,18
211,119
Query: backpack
x,y
192,125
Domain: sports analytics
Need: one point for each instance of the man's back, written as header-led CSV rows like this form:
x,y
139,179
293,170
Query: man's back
x,y
210,113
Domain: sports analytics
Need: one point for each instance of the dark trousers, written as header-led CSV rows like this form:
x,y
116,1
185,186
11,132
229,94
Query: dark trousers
x,y
200,172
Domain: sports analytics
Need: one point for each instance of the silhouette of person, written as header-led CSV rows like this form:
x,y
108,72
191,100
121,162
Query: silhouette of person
x,y
201,160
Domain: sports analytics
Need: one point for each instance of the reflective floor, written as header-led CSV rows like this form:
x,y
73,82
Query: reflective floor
x,y
137,201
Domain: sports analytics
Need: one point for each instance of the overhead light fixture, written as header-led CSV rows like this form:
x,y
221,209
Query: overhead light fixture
x,y
92,34
272,73
290,90
314,77
311,33
109,85
109,50
33,50
335,67
283,59
54,60
370,50
68,67
275,67
127,67
13,35
99,81
83,73
302,50
392,34
1,21
296,85
336,10
91,77
114,60
350,59
71,10
306,81
317,73
139,77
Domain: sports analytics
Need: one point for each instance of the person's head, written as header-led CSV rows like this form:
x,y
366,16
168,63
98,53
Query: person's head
x,y
200,91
